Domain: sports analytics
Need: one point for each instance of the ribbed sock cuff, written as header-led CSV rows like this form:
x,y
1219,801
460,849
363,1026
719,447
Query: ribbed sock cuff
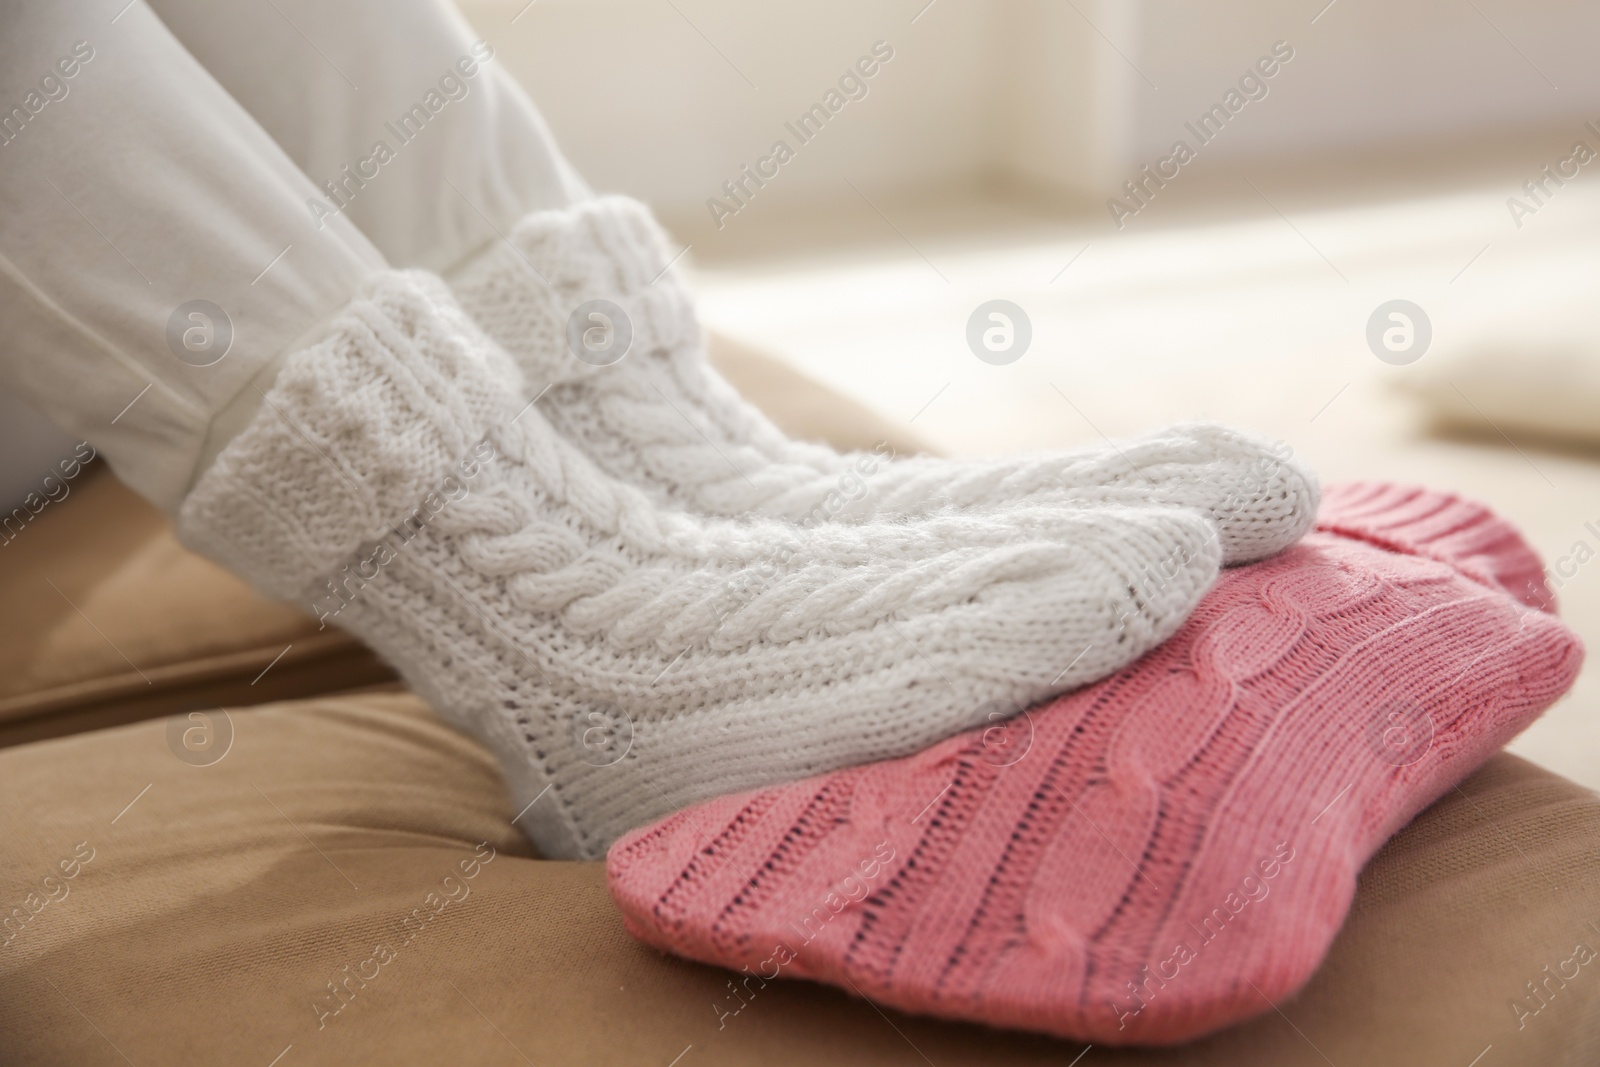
x,y
553,265
362,425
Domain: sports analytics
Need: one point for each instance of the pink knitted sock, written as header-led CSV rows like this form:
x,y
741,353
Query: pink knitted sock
x,y
1166,852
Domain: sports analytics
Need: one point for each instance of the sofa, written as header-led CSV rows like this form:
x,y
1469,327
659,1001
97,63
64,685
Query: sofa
x,y
229,836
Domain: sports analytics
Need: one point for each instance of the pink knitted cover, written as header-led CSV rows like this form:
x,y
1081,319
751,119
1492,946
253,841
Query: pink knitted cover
x,y
1161,854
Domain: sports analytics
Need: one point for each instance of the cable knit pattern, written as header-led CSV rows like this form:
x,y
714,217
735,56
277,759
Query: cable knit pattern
x,y
1166,852
1442,526
628,659
663,420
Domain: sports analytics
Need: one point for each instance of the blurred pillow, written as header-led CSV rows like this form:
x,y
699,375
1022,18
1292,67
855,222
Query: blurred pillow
x,y
1543,387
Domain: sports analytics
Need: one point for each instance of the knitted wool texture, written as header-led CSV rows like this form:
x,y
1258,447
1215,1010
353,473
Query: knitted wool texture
x,y
1160,855
664,421
629,660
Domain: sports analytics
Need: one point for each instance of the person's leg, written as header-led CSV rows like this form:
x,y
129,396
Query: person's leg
x,y
155,251
463,154
387,474
627,659
331,84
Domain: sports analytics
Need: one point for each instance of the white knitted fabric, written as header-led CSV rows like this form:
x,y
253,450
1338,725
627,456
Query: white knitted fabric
x,y
624,660
663,420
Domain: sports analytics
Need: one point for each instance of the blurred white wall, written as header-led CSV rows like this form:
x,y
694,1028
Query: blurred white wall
x,y
1368,73
666,99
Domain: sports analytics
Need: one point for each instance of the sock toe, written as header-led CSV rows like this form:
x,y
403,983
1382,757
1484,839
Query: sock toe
x,y
1261,497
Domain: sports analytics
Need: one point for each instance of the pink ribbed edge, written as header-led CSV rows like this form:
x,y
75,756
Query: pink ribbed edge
x,y
1441,526
1044,875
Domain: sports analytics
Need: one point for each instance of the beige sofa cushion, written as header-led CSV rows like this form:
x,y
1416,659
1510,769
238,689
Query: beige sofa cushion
x,y
110,620
183,913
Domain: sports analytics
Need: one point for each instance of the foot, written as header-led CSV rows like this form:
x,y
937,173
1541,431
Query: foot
x,y
662,420
625,658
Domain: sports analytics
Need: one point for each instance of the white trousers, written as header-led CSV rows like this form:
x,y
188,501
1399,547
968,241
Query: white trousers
x,y
186,191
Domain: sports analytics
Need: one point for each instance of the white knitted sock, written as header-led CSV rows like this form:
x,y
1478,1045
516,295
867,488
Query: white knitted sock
x,y
663,420
630,659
